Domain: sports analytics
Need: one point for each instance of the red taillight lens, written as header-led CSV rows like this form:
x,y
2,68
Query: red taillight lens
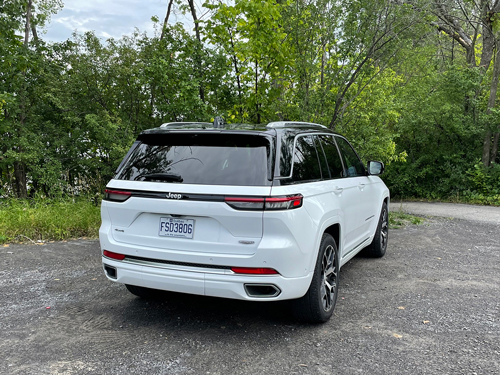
x,y
116,195
254,271
284,203
112,255
287,202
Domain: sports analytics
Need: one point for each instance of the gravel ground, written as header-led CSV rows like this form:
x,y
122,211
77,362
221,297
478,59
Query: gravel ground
x,y
486,214
430,306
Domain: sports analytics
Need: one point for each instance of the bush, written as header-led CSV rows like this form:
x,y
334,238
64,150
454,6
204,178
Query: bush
x,y
448,180
43,219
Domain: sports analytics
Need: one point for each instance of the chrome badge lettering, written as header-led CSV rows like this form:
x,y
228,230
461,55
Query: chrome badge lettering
x,y
173,196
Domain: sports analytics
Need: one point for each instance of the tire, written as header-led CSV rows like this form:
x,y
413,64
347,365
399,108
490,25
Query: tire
x,y
379,244
145,293
317,305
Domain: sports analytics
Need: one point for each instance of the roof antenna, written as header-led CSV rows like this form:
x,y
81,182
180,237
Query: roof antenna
x,y
219,122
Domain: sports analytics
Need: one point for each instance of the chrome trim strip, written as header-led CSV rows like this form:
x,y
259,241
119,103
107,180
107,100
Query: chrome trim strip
x,y
357,246
177,267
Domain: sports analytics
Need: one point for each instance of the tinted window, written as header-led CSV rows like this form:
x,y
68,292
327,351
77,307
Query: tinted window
x,y
286,155
352,164
211,159
325,173
332,155
305,160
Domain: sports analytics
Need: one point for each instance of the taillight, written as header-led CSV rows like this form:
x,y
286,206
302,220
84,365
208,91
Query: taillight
x,y
249,204
116,195
254,271
287,202
112,255
284,203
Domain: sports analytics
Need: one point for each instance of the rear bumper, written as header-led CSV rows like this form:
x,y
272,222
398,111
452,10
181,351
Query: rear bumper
x,y
216,283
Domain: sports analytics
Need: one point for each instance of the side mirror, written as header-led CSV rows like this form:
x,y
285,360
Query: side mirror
x,y
375,168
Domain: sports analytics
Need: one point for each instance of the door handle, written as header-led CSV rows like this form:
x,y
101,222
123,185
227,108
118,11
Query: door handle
x,y
338,190
361,186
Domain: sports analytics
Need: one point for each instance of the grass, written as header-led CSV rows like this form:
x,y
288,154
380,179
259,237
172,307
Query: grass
x,y
34,220
399,219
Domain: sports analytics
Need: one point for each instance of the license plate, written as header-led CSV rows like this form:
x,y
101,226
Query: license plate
x,y
173,227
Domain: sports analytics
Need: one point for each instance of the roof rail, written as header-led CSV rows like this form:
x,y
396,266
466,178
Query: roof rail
x,y
177,124
283,124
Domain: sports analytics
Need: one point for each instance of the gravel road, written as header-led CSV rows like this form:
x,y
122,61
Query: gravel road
x,y
485,214
430,306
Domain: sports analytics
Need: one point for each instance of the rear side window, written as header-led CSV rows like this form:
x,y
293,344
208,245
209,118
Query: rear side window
x,y
352,164
332,155
200,158
306,165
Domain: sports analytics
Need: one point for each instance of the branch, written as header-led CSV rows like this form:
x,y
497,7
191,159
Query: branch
x,y
165,22
464,43
452,22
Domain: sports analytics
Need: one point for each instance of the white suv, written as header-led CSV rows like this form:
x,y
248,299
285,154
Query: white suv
x,y
260,213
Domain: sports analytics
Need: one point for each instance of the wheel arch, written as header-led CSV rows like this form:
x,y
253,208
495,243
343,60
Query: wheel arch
x,y
334,231
387,200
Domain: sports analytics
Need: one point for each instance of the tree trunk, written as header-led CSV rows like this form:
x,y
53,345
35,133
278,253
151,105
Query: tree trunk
x,y
236,68
494,150
198,58
488,45
323,52
257,91
34,32
20,176
487,151
165,22
28,20
19,166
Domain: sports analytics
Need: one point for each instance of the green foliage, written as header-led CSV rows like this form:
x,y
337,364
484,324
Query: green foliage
x,y
44,219
484,184
371,124
440,128
251,38
399,219
373,70
87,100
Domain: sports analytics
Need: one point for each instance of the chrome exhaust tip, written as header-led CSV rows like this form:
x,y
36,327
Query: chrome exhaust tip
x,y
262,290
110,271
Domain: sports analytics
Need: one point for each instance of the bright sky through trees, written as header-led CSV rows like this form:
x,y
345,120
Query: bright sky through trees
x,y
110,18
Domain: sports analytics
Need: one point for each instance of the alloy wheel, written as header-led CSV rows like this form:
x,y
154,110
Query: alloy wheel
x,y
328,277
384,229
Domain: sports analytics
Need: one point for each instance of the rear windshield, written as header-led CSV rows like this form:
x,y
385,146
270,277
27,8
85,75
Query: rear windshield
x,y
200,158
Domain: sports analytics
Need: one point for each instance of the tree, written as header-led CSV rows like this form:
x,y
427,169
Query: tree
x,y
474,25
19,67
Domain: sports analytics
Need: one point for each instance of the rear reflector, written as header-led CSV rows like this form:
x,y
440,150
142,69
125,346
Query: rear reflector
x,y
111,255
116,195
287,202
254,271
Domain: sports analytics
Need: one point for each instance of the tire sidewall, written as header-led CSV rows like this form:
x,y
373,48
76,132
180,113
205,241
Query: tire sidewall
x,y
317,281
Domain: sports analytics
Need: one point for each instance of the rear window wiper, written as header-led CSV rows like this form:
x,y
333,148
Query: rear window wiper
x,y
162,176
